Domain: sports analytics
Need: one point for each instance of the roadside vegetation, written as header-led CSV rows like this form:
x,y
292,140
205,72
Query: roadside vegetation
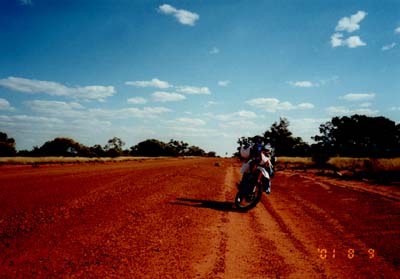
x,y
380,170
63,149
342,163
355,147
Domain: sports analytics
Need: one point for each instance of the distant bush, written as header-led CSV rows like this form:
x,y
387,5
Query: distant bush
x,y
156,148
7,145
360,136
211,154
319,156
67,147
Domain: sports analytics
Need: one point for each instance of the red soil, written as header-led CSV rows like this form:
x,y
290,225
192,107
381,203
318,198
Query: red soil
x,y
173,218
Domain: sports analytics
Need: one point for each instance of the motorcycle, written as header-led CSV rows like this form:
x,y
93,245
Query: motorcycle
x,y
254,179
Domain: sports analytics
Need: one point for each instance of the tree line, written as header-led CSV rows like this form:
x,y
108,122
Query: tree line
x,y
347,136
68,147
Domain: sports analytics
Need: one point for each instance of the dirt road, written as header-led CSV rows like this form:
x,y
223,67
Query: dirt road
x,y
173,218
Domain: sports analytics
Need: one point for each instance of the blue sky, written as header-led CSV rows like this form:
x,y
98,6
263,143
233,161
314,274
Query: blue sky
x,y
205,72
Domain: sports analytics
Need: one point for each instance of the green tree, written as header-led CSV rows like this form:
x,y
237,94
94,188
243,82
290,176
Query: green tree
x,y
360,136
60,147
155,148
211,154
149,148
114,146
176,148
97,150
281,138
7,145
195,151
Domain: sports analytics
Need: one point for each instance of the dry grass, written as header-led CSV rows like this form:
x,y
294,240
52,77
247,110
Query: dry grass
x,y
344,163
366,164
383,171
293,162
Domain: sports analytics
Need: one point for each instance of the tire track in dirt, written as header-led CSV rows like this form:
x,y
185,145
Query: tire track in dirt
x,y
280,253
174,219
306,212
255,244
240,256
235,253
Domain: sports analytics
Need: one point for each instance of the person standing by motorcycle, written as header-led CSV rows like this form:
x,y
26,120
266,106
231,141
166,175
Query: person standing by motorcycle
x,y
261,155
265,160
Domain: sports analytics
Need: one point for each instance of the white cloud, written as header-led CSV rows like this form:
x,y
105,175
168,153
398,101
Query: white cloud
x,y
395,109
137,101
305,106
155,82
397,30
333,110
224,83
56,105
336,39
192,132
46,119
193,90
246,114
333,79
211,103
358,96
388,47
268,104
240,124
125,113
236,121
306,127
304,83
365,105
214,50
94,92
183,16
160,96
31,130
5,105
189,121
239,115
76,111
57,108
21,121
164,85
348,24
273,104
351,42
351,24
341,110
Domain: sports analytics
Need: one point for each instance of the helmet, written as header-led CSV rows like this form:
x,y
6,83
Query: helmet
x,y
267,148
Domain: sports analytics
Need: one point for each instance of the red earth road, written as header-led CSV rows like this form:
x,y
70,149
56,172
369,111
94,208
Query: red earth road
x,y
173,218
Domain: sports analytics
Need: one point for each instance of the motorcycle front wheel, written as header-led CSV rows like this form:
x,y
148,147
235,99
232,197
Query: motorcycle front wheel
x,y
247,199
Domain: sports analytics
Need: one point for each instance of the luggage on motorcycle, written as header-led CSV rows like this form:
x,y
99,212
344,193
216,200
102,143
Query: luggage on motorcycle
x,y
245,152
